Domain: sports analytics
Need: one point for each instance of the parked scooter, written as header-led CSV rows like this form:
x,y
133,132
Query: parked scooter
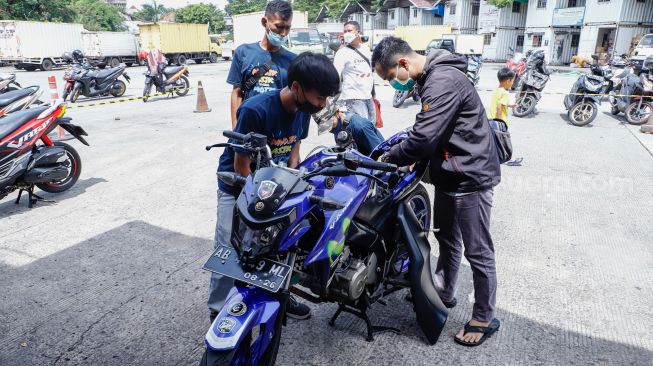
x,y
28,157
8,83
585,96
91,82
20,99
168,79
474,63
532,83
634,95
346,228
516,62
401,96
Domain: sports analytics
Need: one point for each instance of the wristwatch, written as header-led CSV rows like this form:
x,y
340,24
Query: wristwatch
x,y
385,158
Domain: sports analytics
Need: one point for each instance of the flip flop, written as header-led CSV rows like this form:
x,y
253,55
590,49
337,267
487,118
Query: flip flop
x,y
447,304
516,162
487,333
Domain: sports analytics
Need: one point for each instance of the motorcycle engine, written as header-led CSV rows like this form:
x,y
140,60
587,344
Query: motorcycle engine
x,y
352,275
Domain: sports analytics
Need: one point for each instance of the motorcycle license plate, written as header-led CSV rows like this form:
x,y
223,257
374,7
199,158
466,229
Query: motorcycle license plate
x,y
264,273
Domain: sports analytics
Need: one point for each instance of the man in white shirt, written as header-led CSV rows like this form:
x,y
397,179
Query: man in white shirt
x,y
353,64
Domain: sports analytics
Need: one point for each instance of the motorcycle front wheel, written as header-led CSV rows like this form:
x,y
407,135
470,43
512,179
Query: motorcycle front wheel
x,y
216,358
525,106
399,98
583,113
420,203
75,95
74,170
182,86
636,115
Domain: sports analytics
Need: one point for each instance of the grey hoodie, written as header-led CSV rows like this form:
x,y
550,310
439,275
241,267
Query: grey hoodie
x,y
451,130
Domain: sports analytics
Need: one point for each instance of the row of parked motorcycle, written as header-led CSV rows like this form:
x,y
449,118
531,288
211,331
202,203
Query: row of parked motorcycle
x,y
84,78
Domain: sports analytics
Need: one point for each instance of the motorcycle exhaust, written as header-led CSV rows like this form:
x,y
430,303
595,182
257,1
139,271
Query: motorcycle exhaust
x,y
46,174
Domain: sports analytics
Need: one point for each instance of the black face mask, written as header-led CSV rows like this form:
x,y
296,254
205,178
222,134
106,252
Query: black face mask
x,y
306,106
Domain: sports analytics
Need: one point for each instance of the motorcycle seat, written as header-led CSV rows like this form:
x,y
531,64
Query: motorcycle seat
x,y
102,74
14,95
13,121
171,70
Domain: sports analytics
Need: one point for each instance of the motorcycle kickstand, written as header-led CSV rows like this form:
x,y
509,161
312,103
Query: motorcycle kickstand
x,y
31,197
361,312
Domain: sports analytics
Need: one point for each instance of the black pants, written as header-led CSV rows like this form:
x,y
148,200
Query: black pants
x,y
464,221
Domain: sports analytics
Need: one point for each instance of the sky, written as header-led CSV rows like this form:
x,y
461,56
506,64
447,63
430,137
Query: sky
x,y
176,3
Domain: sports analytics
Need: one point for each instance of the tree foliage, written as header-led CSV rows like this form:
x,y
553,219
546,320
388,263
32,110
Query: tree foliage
x,y
39,10
500,3
235,7
151,12
311,6
97,15
202,14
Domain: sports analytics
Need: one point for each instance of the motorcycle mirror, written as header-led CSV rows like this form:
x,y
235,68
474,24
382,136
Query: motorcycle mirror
x,y
595,57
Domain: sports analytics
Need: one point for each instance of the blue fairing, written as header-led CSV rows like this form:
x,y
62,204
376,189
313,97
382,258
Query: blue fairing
x,y
261,310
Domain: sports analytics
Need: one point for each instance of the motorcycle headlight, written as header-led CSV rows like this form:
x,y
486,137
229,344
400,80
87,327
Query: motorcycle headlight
x,y
251,242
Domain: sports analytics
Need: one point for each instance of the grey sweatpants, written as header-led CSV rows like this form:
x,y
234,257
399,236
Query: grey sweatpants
x,y
464,221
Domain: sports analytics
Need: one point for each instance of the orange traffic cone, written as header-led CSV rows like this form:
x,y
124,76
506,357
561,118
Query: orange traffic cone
x,y
54,95
202,106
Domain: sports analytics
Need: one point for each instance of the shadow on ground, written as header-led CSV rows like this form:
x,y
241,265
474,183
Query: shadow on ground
x,y
135,296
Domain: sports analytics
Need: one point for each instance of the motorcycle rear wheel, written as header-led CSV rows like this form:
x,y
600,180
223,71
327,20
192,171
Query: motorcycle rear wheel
x,y
525,106
636,116
120,91
73,174
582,114
75,95
399,98
183,90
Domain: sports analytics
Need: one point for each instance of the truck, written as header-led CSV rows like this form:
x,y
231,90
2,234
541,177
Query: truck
x,y
180,42
37,45
419,36
466,44
110,48
643,50
248,28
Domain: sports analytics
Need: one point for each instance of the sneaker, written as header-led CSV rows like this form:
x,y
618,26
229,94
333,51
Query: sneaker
x,y
297,310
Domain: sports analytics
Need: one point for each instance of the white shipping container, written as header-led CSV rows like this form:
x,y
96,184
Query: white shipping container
x,y
248,28
21,40
108,44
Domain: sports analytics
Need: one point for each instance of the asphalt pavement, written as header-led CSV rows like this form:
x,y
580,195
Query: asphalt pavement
x,y
110,273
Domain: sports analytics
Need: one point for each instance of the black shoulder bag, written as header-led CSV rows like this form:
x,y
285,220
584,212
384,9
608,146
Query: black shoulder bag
x,y
249,83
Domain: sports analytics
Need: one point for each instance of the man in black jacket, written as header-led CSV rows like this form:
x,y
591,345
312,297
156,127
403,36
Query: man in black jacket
x,y
453,132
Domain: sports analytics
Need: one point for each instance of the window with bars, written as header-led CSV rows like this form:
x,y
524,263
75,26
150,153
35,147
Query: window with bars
x,y
542,4
392,15
575,39
414,13
516,7
475,9
487,39
520,41
537,40
452,9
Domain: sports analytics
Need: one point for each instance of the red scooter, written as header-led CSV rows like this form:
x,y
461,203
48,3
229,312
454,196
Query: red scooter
x,y
28,157
517,62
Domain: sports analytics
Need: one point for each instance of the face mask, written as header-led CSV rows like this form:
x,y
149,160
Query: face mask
x,y
349,37
275,40
307,107
402,86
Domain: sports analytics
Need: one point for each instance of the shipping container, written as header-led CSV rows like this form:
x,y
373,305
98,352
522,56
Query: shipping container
x,y
398,17
248,27
502,29
110,48
419,36
180,42
462,16
32,45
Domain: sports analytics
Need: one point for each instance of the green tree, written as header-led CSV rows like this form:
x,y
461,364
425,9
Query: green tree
x,y
335,8
151,12
39,10
202,14
235,7
500,3
311,6
97,15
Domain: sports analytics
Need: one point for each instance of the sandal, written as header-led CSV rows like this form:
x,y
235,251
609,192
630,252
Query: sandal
x,y
447,304
487,333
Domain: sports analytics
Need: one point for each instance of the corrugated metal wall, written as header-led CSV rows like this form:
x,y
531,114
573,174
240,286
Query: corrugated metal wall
x,y
381,20
561,46
499,47
602,12
428,18
509,19
467,20
637,12
402,16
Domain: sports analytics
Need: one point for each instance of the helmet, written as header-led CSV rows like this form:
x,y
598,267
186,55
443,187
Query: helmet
x,y
67,57
78,55
539,54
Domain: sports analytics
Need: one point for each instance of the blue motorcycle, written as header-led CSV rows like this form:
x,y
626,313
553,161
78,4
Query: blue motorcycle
x,y
341,228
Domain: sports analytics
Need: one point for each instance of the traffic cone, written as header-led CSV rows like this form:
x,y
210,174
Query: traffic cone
x,y
54,95
202,106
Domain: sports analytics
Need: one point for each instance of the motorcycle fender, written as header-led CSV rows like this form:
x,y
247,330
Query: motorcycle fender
x,y
77,131
245,310
430,311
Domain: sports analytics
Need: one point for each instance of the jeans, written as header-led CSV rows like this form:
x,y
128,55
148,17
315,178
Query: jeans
x,y
362,107
366,136
221,285
464,221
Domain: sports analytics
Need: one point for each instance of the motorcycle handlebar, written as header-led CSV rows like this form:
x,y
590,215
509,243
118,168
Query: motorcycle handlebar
x,y
377,165
234,135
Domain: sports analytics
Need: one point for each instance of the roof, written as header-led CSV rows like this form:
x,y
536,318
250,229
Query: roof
x,y
323,13
422,4
353,7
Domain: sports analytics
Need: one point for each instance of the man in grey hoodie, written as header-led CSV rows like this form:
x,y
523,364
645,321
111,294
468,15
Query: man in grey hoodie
x,y
453,132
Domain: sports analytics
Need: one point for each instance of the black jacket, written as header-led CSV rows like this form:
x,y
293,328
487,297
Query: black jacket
x,y
451,130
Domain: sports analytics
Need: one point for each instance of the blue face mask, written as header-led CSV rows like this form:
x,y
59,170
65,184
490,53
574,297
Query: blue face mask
x,y
402,86
275,40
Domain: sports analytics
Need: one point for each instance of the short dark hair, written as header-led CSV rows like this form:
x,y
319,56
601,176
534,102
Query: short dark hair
x,y
354,23
314,72
389,50
282,8
505,73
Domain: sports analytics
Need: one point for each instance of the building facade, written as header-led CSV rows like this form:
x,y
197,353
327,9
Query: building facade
x,y
462,16
502,29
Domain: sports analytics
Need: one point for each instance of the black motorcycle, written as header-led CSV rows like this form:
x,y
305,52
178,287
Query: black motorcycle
x,y
582,102
8,83
167,80
529,90
634,95
91,82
